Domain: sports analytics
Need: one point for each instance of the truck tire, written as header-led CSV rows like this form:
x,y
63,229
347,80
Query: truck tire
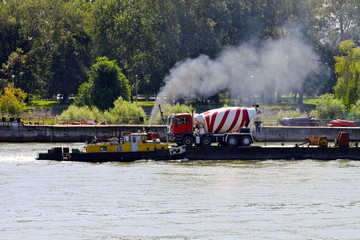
x,y
245,141
188,141
232,141
206,141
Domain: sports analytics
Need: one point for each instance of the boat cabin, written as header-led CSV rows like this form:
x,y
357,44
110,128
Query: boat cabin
x,y
130,142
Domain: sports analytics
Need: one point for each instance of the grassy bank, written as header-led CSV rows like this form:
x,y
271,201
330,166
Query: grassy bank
x,y
45,104
45,111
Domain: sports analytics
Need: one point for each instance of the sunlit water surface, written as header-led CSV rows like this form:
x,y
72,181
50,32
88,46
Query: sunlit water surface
x,y
176,200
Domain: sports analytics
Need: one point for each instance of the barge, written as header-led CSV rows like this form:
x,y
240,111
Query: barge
x,y
139,146
214,153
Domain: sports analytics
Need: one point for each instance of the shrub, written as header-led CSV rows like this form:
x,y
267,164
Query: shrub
x,y
328,107
12,100
290,114
80,114
125,112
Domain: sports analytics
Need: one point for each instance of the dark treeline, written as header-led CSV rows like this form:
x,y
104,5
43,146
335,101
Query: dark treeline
x,y
48,46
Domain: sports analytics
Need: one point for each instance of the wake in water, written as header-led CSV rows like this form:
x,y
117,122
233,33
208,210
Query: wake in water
x,y
17,158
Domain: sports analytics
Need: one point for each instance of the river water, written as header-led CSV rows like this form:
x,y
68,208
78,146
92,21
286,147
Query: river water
x,y
176,200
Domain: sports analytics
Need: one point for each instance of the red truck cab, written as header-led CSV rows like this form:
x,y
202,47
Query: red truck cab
x,y
179,126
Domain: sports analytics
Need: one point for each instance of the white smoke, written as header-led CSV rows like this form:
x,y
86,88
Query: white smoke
x,y
242,70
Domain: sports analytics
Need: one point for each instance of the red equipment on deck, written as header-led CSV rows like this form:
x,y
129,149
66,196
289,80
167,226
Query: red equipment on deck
x,y
342,139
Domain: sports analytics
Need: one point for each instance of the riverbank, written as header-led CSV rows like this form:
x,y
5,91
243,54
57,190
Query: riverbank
x,y
18,132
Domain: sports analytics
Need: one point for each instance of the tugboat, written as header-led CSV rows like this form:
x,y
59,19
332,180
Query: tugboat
x,y
130,147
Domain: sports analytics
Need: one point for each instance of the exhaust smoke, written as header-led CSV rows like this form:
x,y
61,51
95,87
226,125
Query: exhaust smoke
x,y
249,68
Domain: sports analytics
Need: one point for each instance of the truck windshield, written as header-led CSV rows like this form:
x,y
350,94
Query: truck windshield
x,y
182,120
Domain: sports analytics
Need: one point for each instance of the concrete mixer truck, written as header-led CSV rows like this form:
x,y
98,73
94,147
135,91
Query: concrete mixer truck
x,y
229,126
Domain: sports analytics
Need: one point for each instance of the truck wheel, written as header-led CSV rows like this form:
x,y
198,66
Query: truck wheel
x,y
232,141
246,141
188,141
206,141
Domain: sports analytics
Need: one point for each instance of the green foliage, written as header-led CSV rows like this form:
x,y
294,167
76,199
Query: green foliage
x,y
328,107
17,70
44,104
81,114
83,96
12,100
124,112
57,42
106,83
3,83
60,40
355,109
347,67
291,113
169,109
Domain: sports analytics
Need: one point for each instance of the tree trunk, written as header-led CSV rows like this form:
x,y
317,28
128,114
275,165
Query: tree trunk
x,y
278,97
262,97
301,97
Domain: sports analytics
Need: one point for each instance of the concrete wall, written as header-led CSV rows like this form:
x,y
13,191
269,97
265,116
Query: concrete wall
x,y
14,132
17,132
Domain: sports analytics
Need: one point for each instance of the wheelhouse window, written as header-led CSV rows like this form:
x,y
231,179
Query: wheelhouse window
x,y
142,138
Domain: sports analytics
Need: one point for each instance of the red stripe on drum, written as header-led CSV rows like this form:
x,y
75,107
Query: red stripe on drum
x,y
236,118
223,120
207,116
212,121
245,118
207,112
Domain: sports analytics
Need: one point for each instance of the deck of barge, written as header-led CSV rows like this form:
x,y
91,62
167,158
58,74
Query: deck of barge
x,y
272,152
219,153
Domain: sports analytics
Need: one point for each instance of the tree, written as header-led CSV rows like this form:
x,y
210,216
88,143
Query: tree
x,y
83,96
355,109
10,35
347,68
12,100
106,83
67,68
58,42
17,70
342,19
